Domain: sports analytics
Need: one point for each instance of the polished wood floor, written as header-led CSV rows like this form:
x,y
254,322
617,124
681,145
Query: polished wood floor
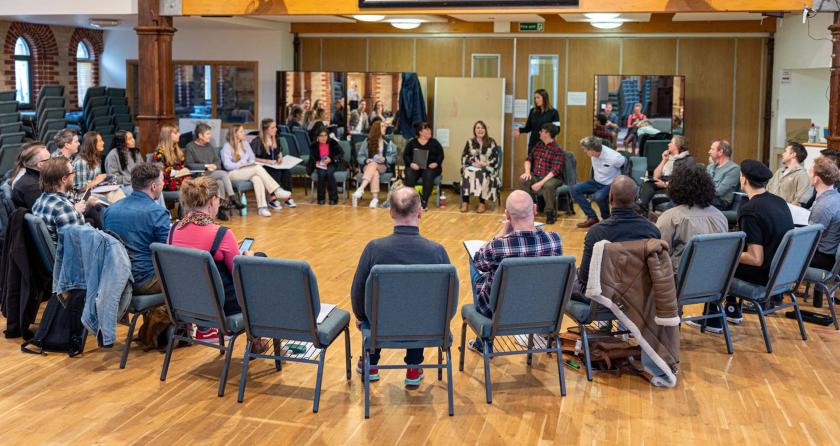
x,y
750,397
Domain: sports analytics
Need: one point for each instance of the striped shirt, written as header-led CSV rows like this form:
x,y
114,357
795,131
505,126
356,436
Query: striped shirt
x,y
57,211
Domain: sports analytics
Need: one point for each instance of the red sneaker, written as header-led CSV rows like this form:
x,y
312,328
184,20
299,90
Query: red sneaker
x,y
413,377
210,335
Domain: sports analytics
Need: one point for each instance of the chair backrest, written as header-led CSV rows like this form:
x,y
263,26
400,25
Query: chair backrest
x,y
119,109
411,303
279,298
708,264
44,244
9,95
302,139
653,151
191,285
12,127
529,294
51,90
8,106
8,156
95,101
49,102
638,168
569,168
291,143
119,100
283,128
12,138
8,118
348,154
792,258
114,91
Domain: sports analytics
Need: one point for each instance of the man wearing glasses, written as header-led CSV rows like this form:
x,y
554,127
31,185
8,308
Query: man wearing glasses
x,y
27,189
54,205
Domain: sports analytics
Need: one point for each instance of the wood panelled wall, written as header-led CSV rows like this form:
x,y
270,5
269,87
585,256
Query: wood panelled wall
x,y
724,95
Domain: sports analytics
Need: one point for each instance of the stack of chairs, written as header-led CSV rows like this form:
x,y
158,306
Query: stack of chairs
x,y
106,111
11,131
49,113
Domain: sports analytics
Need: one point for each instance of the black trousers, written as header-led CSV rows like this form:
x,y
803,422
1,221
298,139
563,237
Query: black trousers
x,y
326,180
282,177
646,193
428,177
413,356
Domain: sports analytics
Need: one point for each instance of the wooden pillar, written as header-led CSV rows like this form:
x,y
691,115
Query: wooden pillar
x,y
834,99
156,78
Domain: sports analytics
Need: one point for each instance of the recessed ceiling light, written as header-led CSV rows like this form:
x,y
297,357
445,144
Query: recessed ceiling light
x,y
406,23
601,16
104,23
607,25
368,18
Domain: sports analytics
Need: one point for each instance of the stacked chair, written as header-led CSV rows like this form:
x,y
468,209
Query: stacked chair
x,y
49,113
11,131
106,111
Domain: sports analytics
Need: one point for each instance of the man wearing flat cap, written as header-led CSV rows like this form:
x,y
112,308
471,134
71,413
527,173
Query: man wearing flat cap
x,y
765,218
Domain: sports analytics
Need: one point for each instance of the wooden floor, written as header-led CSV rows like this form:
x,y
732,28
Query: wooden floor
x,y
749,397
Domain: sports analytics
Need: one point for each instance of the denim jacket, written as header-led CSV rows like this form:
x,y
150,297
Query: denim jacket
x,y
390,154
89,259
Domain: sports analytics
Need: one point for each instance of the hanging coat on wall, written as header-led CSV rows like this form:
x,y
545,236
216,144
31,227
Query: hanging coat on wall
x,y
412,105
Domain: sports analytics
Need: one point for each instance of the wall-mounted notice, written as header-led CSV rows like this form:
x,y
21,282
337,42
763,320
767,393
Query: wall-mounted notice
x,y
520,108
443,137
576,98
508,103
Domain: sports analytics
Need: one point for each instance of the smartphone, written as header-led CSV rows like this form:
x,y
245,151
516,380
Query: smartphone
x,y
87,194
246,245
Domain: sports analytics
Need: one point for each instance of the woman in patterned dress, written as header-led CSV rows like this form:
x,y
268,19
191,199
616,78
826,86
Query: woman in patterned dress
x,y
479,169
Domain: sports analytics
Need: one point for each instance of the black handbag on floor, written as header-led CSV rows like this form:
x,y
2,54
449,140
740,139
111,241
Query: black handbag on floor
x,y
61,328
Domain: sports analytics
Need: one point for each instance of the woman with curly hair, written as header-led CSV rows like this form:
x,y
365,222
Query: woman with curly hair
x,y
692,191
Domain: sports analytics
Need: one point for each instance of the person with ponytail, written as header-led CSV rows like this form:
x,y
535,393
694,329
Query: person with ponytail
x,y
171,157
87,164
267,151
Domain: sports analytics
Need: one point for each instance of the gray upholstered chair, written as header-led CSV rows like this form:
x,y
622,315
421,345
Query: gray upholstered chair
x,y
140,305
827,282
279,300
528,296
705,273
194,294
564,191
786,273
409,306
585,311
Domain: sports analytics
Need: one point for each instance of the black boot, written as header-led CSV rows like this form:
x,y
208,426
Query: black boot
x,y
222,215
233,203
550,216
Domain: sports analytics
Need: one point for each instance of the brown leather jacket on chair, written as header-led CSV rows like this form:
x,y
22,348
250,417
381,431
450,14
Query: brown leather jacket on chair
x,y
635,280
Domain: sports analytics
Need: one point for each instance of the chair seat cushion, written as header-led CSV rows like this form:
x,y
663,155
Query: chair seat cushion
x,y
479,322
142,302
242,185
563,190
332,326
402,344
581,312
235,323
817,275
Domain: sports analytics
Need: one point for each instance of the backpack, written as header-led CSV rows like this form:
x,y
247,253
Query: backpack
x,y
61,328
153,332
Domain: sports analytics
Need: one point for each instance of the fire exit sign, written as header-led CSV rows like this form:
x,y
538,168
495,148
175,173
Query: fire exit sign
x,y
531,27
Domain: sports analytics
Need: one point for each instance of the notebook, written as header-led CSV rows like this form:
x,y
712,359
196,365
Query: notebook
x,y
325,311
472,247
800,215
287,163
421,157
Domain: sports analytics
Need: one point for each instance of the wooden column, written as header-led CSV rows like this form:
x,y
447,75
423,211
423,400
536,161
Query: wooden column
x,y
834,99
156,78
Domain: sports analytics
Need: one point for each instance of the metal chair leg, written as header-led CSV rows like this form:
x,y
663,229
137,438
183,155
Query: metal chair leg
x,y
830,298
440,362
366,377
169,346
587,361
802,330
764,327
347,353
463,346
127,346
530,346
318,379
221,343
228,353
278,345
487,385
244,375
449,382
560,370
725,324
703,322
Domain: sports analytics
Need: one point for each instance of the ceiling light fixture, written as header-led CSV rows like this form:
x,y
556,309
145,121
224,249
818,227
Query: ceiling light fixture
x,y
368,18
104,23
607,24
406,23
601,16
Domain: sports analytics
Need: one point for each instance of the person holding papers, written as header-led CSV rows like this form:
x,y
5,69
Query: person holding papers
x,y
423,157
479,169
517,238
269,153
376,155
825,211
239,160
324,156
171,157
200,155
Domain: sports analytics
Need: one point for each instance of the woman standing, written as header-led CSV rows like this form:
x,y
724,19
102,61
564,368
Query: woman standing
x,y
239,160
479,169
267,151
376,156
122,157
542,113
416,169
171,157
324,156
88,163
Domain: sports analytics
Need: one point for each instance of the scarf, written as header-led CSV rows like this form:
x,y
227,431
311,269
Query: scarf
x,y
197,218
669,165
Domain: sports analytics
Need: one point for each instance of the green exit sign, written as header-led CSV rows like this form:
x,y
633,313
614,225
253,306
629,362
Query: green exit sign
x,y
534,27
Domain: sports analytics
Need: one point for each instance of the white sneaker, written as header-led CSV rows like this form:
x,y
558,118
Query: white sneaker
x,y
264,212
374,203
290,203
711,330
355,197
282,194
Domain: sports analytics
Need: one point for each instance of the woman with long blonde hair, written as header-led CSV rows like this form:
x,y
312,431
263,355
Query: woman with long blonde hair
x,y
239,160
268,151
376,156
171,157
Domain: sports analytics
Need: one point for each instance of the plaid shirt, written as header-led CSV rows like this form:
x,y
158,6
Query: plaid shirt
x,y
57,211
545,159
536,243
84,174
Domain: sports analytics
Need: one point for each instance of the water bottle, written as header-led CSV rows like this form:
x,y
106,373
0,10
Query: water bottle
x,y
812,133
244,211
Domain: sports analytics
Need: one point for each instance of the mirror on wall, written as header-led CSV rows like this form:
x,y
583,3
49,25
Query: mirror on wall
x,y
370,96
628,107
320,94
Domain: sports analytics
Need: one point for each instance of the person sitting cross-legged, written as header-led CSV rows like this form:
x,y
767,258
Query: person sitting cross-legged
x,y
517,238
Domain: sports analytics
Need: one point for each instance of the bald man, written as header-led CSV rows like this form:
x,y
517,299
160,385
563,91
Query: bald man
x,y
517,238
404,247
624,224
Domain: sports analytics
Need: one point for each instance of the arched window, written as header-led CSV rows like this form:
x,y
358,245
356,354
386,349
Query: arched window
x,y
23,71
84,70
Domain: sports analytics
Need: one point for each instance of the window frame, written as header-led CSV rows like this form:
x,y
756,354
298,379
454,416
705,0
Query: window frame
x,y
555,59
214,64
28,58
90,59
498,57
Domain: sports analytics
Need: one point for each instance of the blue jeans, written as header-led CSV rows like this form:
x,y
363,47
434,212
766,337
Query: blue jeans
x,y
599,193
473,279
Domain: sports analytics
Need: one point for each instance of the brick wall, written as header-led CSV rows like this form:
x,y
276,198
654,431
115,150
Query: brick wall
x,y
53,56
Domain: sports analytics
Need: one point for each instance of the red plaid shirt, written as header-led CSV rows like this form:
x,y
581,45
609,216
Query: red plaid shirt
x,y
545,159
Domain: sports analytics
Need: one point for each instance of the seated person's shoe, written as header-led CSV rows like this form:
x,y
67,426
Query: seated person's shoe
x,y
712,326
465,207
290,203
413,377
481,208
733,313
550,217
234,203
477,346
588,223
374,372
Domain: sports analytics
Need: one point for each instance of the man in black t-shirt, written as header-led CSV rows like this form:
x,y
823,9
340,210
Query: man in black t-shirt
x,y
765,218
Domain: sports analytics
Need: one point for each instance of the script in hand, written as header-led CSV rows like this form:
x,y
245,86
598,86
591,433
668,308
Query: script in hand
x,y
421,157
472,247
